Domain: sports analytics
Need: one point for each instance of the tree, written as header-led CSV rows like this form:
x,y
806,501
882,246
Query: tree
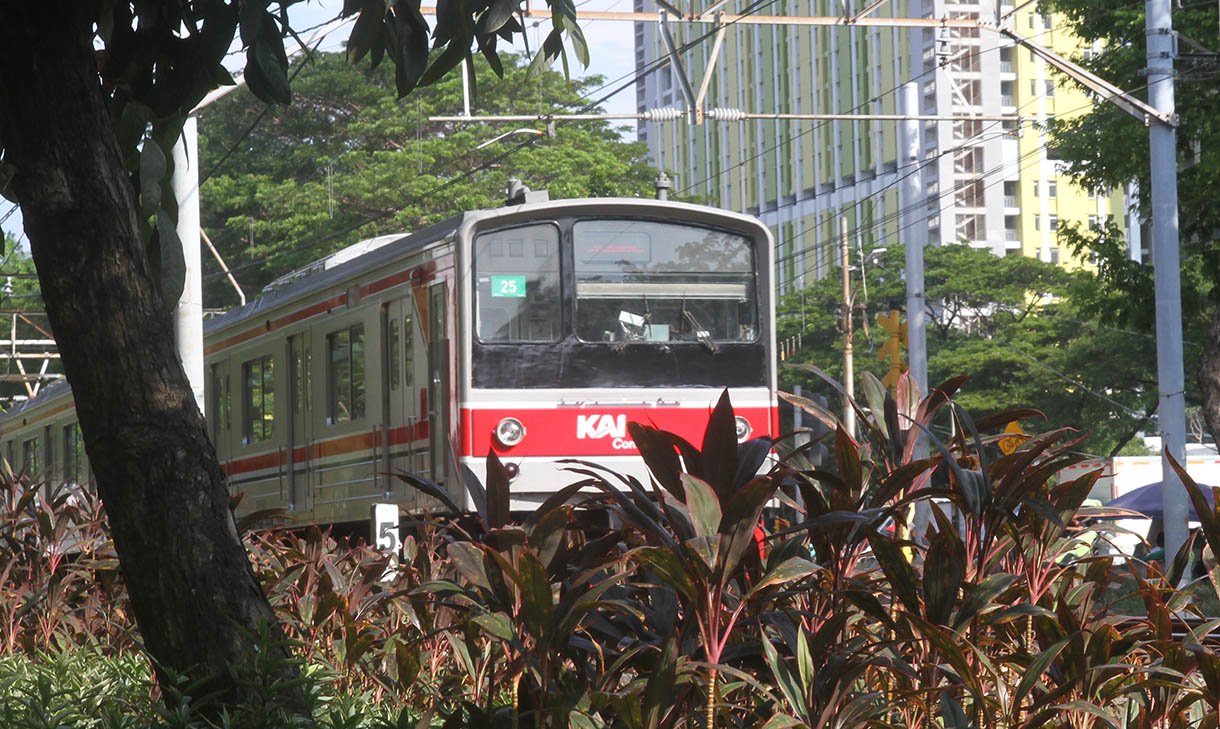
x,y
350,161
91,96
1009,323
1106,149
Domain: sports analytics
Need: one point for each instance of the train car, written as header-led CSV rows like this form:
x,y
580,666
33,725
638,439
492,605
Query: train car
x,y
42,440
536,331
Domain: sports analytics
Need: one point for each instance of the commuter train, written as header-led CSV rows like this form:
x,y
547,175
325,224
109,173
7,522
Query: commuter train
x,y
537,330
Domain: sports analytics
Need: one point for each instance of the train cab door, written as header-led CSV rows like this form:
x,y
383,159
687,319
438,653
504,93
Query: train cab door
x,y
400,412
300,430
438,383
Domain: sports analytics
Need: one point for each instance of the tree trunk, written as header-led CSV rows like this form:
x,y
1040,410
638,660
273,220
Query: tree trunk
x,y
191,584
1209,376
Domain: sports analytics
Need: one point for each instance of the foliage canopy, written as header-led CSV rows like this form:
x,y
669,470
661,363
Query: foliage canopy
x,y
349,160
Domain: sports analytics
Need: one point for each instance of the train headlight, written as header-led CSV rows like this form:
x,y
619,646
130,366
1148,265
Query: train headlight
x,y
510,432
743,428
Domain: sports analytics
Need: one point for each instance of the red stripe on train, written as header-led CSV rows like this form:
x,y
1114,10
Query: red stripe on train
x,y
327,449
582,432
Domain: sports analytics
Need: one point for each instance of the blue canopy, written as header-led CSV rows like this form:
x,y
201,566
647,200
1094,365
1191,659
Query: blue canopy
x,y
1147,501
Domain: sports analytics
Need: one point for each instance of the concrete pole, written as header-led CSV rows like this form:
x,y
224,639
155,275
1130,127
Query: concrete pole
x,y
849,375
1171,412
188,316
916,239
916,235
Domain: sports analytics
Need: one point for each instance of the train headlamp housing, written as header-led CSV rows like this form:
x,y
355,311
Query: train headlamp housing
x,y
743,428
509,432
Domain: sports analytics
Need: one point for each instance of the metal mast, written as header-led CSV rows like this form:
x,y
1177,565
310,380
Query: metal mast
x,y
1162,140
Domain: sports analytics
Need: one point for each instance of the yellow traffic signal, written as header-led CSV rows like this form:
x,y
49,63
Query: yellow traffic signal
x,y
892,350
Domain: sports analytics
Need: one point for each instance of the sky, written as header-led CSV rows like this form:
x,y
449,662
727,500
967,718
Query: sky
x,y
611,54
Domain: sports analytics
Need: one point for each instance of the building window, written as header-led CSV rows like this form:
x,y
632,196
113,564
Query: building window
x,y
258,400
1050,87
1054,255
345,381
1093,223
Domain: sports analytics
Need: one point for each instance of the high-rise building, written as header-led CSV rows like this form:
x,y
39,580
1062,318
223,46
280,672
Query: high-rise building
x,y
990,183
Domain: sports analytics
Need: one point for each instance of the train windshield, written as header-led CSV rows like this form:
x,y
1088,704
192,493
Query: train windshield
x,y
644,281
517,284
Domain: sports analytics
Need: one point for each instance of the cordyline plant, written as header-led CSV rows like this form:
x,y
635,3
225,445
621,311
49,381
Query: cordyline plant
x,y
692,601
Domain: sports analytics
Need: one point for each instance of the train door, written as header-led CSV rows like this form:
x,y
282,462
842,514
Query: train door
x,y
438,383
300,435
399,411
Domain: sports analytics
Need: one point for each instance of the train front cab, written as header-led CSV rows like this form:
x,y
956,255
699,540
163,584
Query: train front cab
x,y
601,315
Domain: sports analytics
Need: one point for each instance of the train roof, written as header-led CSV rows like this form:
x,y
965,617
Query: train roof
x,y
46,394
374,252
332,269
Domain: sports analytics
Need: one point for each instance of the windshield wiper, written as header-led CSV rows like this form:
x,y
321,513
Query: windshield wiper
x,y
703,335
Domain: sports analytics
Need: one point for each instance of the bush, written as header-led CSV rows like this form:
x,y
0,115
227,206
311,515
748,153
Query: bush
x,y
693,604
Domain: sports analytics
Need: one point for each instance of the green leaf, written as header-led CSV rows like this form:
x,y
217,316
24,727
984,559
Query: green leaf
x,y
1088,708
951,711
267,71
498,13
365,33
171,263
874,395
707,549
1036,669
498,625
668,568
703,505
782,721
981,594
154,167
468,560
897,570
789,685
789,570
944,569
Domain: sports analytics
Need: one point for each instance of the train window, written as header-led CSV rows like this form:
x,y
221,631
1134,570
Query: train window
x,y
517,284
345,380
219,405
395,348
31,458
648,281
74,454
408,346
258,399
48,438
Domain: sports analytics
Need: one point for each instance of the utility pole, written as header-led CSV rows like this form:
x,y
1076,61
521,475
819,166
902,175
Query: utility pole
x,y
849,376
1162,140
188,315
916,237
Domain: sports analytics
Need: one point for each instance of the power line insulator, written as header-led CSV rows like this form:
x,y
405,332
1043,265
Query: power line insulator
x,y
726,115
666,114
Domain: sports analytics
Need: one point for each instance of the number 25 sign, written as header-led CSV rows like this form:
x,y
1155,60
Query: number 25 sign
x,y
513,286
